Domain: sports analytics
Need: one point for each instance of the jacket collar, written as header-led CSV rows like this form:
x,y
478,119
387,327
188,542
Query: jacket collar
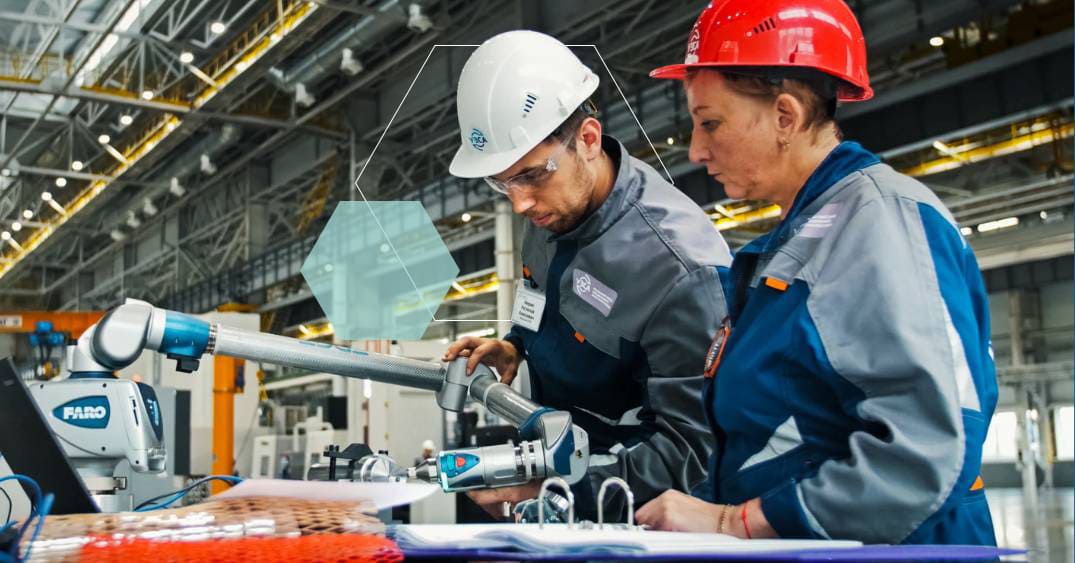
x,y
848,157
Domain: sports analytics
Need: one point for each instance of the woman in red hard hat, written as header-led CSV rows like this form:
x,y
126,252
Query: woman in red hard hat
x,y
852,387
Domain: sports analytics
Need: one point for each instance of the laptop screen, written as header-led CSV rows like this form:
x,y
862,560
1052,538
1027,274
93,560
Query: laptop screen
x,y
32,450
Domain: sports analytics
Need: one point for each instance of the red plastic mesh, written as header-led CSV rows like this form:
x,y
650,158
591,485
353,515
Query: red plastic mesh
x,y
336,548
228,529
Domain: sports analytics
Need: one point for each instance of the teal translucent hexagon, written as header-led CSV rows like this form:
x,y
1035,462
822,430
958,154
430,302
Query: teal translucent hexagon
x,y
380,270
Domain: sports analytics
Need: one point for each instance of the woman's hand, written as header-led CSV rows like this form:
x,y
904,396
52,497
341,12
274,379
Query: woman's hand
x,y
674,511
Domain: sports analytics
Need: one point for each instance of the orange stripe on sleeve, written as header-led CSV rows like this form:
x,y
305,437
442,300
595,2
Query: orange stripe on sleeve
x,y
779,285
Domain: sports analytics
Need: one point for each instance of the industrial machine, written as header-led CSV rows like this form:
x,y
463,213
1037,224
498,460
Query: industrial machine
x,y
101,421
551,445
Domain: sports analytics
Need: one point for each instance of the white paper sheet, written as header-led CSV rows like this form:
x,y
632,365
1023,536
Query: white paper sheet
x,y
558,538
382,495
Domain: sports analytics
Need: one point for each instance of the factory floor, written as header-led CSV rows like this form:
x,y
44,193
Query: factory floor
x,y
1047,535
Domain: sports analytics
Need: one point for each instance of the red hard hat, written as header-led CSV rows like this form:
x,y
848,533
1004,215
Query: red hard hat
x,y
817,34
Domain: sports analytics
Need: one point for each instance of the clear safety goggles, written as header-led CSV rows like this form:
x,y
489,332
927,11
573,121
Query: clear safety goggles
x,y
532,179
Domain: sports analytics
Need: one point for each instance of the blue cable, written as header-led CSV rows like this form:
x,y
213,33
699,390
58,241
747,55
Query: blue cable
x,y
46,506
34,507
166,501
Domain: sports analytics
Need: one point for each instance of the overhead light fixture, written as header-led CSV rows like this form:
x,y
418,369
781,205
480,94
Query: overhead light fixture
x,y
132,220
998,224
147,94
206,165
218,27
176,188
126,119
104,139
671,141
27,214
118,235
61,182
466,217
240,66
47,198
16,226
349,63
274,37
1044,215
76,165
5,172
936,41
303,97
186,57
966,231
416,20
148,208
6,237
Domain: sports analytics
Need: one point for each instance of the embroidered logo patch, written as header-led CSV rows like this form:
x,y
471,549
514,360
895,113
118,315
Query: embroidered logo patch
x,y
592,291
477,139
821,222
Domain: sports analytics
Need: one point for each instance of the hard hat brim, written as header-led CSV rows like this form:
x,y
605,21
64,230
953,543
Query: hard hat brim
x,y
670,72
470,164
848,92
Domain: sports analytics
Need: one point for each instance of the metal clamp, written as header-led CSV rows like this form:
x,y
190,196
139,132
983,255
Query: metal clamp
x,y
601,501
567,492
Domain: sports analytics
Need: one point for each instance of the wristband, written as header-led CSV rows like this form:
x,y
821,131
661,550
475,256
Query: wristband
x,y
743,517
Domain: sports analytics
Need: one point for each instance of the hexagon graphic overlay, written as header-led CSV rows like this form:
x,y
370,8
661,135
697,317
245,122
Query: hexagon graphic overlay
x,y
379,270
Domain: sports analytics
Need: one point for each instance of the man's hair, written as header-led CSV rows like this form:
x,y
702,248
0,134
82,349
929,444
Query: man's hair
x,y
814,89
568,131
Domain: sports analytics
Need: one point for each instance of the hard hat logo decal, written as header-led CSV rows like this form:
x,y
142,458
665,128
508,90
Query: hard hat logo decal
x,y
477,139
528,104
693,42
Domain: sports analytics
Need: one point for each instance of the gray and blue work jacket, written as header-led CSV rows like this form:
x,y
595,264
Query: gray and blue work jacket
x,y
633,297
855,389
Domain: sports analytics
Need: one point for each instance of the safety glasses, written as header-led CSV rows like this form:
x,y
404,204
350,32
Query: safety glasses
x,y
532,179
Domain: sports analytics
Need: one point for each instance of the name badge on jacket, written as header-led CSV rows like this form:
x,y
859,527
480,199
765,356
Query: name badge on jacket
x,y
529,307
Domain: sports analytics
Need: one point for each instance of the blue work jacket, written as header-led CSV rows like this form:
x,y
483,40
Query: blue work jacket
x,y
856,386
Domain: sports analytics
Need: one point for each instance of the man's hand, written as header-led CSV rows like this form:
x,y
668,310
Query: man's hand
x,y
497,354
492,500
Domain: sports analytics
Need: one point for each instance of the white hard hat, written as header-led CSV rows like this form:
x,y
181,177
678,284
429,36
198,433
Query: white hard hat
x,y
428,445
515,90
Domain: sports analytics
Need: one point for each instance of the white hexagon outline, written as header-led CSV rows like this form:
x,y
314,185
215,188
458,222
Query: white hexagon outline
x,y
384,133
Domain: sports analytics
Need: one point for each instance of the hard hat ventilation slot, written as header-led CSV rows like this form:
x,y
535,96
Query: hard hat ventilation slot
x,y
766,25
528,104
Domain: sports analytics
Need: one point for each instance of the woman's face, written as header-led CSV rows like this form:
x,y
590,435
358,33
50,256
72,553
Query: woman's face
x,y
735,137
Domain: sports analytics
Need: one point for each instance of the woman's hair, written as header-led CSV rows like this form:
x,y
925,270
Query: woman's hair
x,y
814,89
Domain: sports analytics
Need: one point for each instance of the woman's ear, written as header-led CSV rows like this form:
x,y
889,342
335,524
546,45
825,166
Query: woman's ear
x,y
588,142
790,115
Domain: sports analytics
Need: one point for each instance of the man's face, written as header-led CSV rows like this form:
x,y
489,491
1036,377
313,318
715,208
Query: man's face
x,y
555,200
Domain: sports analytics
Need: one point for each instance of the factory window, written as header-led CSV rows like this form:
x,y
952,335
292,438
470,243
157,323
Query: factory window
x,y
1001,444
1065,432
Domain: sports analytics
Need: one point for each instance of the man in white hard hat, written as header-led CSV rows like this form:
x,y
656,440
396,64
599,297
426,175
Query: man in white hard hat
x,y
623,268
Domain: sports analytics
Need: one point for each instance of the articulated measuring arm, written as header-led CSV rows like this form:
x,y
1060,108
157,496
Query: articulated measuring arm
x,y
552,445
